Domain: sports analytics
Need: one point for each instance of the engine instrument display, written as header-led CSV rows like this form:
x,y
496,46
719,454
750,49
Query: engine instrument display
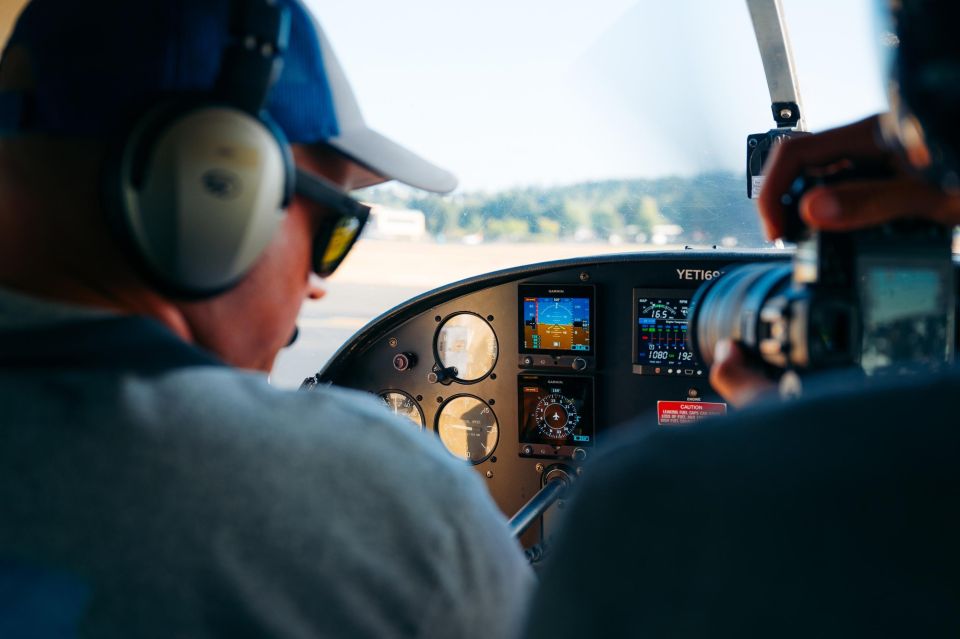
x,y
556,319
468,428
399,403
556,415
660,334
467,343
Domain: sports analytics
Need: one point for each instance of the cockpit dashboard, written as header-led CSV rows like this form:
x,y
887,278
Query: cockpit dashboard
x,y
529,370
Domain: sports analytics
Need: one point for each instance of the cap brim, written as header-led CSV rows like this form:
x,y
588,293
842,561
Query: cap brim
x,y
389,159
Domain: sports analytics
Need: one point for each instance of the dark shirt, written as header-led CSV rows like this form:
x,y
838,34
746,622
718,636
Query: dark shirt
x,y
835,516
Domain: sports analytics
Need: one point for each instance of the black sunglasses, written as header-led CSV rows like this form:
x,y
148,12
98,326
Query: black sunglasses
x,y
339,232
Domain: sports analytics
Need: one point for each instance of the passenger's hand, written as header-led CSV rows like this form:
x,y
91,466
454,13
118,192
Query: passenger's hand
x,y
854,204
734,378
838,207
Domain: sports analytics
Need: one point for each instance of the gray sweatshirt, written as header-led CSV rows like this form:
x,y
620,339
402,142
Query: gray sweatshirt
x,y
147,491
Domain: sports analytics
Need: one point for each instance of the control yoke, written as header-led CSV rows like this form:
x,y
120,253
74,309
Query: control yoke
x,y
555,483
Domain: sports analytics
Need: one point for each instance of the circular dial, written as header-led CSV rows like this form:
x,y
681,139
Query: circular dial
x,y
467,343
399,403
556,416
468,428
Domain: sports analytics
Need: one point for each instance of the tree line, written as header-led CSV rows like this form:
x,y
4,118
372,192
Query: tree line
x,y
703,209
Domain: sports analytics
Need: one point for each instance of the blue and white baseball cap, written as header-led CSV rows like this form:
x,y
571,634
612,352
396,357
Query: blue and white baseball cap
x,y
94,63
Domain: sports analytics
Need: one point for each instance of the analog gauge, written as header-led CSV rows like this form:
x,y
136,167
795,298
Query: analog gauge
x,y
468,428
556,416
467,343
403,405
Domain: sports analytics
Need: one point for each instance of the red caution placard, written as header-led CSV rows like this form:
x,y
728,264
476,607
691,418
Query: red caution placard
x,y
678,413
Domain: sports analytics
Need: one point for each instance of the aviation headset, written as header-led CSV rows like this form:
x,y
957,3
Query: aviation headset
x,y
199,185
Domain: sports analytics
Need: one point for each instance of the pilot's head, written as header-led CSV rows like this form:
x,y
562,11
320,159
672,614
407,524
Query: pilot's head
x,y
185,160
925,96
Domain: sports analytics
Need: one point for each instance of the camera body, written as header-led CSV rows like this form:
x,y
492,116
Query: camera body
x,y
880,299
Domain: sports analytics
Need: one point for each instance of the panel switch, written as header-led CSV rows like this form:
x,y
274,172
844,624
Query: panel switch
x,y
404,361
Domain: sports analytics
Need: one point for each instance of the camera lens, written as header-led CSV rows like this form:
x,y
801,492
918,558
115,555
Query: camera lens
x,y
729,306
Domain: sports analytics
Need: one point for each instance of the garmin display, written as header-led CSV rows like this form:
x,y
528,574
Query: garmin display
x,y
556,319
660,333
556,416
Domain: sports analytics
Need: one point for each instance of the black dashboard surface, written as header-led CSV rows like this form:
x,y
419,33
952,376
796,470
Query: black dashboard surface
x,y
523,370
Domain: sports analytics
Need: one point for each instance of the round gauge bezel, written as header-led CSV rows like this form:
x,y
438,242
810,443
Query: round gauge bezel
x,y
436,427
436,351
423,417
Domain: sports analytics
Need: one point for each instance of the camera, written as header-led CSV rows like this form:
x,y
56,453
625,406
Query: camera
x,y
880,299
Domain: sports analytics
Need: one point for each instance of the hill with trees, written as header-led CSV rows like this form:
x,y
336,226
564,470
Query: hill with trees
x,y
705,209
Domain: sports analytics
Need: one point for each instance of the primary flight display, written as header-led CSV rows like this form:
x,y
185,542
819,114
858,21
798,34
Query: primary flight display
x,y
556,323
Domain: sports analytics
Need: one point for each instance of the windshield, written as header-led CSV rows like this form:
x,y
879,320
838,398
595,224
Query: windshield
x,y
575,129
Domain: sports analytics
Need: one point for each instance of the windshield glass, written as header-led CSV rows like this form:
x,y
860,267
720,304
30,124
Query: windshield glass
x,y
575,129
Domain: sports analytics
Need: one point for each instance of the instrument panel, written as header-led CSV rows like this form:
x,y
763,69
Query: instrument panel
x,y
526,371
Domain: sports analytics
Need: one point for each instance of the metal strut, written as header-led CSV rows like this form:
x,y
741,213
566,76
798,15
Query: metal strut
x,y
776,53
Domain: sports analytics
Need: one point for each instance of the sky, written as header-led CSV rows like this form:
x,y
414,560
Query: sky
x,y
541,92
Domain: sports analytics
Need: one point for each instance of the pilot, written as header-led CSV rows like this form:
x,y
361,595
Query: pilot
x,y
831,516
171,174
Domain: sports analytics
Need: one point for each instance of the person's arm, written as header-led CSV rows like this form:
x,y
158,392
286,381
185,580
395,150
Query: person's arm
x,y
839,207
487,582
851,204
733,377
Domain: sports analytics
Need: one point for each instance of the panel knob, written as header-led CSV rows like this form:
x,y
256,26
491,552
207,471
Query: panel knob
x,y
442,375
404,361
579,364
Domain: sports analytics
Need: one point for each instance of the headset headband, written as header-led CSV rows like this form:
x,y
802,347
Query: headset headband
x,y
259,33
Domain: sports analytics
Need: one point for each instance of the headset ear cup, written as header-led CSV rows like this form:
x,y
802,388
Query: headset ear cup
x,y
289,165
202,191
124,161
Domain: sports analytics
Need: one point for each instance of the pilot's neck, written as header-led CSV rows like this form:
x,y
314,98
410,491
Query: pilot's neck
x,y
55,245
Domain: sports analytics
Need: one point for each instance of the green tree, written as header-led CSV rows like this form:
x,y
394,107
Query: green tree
x,y
604,222
510,229
708,207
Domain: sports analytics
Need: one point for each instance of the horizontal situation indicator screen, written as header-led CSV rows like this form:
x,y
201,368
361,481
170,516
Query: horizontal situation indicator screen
x,y
661,336
557,321
556,415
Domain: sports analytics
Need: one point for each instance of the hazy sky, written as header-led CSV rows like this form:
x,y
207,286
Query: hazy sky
x,y
512,92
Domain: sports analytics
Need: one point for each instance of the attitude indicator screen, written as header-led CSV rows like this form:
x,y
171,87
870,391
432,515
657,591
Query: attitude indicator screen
x,y
557,320
660,334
